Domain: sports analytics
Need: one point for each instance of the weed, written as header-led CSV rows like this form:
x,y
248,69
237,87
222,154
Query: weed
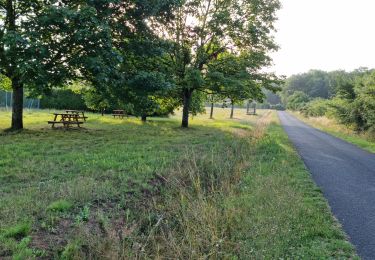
x,y
18,231
83,215
60,206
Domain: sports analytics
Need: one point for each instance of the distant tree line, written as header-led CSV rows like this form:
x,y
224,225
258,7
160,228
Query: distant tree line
x,y
149,56
348,97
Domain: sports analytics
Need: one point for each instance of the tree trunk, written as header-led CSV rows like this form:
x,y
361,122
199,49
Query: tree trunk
x,y
102,112
144,118
17,105
212,111
6,100
248,107
232,110
186,107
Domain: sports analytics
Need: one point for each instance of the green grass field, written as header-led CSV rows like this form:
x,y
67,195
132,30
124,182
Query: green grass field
x,y
121,189
325,124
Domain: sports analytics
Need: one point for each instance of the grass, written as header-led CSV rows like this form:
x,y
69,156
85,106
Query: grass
x,y
325,124
122,189
60,205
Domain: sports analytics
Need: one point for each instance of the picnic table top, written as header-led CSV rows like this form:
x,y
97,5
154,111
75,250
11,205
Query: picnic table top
x,y
80,111
66,114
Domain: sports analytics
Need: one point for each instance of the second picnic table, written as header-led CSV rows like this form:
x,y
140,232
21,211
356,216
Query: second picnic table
x,y
118,113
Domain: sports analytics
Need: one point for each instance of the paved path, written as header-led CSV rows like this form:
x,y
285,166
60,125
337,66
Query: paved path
x,y
346,174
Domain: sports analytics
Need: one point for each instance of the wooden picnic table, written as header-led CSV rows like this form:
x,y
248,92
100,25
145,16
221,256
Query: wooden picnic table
x,y
118,113
66,119
78,112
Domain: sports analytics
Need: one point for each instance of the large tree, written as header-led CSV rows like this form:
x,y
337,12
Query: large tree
x,y
46,43
203,29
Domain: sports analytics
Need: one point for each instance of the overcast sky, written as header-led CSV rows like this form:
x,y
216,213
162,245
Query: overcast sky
x,y
325,34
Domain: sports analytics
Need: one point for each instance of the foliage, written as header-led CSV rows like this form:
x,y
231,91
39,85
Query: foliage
x,y
149,91
297,100
272,98
316,107
363,114
45,44
96,101
314,84
202,31
352,101
229,76
5,83
279,107
63,99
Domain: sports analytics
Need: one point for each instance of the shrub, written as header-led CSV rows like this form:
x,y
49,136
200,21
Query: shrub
x,y
297,101
279,107
316,107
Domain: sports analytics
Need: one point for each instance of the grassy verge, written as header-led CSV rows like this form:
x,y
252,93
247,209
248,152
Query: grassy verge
x,y
330,126
122,189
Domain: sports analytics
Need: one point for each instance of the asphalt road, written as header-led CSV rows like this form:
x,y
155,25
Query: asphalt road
x,y
346,175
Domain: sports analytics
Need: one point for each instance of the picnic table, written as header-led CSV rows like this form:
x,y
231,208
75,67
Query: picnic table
x,y
78,112
66,119
118,113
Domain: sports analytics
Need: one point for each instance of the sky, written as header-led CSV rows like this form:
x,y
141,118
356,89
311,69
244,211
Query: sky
x,y
325,34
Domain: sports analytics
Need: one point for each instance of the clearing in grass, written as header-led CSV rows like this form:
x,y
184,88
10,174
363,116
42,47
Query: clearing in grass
x,y
125,189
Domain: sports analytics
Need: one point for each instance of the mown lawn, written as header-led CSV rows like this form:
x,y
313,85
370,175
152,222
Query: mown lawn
x,y
122,189
363,140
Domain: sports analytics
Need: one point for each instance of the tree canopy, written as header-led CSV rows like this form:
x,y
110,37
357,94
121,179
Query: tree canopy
x,y
202,30
151,54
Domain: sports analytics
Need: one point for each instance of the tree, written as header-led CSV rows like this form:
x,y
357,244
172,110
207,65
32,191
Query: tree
x,y
145,82
46,43
96,101
235,77
203,29
314,84
149,94
213,98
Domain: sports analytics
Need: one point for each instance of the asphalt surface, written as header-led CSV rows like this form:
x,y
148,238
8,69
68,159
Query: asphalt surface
x,y
346,175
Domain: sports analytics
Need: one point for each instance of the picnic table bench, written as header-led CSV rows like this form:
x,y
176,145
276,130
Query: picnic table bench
x,y
66,119
78,112
118,113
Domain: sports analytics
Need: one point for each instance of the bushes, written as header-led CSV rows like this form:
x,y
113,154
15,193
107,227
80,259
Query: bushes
x,y
363,113
357,111
279,107
316,107
297,100
353,104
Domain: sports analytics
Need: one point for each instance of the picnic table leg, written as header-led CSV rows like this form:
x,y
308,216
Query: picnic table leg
x,y
78,124
54,120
